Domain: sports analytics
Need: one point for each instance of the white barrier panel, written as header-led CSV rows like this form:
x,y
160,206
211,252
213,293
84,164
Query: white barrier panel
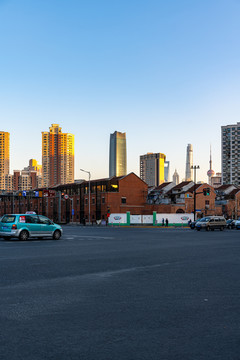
x,y
177,219
117,219
135,219
147,219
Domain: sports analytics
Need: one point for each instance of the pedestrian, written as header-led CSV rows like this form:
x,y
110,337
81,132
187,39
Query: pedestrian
x,y
166,222
162,221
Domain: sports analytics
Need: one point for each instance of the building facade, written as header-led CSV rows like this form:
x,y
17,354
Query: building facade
x,y
57,157
4,159
230,146
216,180
118,154
153,169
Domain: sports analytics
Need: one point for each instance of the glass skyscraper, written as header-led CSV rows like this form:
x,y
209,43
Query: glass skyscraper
x,y
118,154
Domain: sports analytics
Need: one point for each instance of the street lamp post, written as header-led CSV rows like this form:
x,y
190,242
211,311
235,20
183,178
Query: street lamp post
x,y
89,174
195,168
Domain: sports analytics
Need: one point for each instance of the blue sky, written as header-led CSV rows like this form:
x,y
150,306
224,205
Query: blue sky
x,y
165,72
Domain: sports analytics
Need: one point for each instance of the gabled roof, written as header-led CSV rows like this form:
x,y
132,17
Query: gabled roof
x,y
233,192
131,173
181,185
191,190
225,186
163,185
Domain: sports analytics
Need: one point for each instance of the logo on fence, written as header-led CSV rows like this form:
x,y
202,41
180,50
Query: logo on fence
x,y
117,217
184,218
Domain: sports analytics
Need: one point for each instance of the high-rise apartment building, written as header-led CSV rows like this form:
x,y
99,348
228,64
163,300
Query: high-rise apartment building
x,y
152,168
57,157
189,163
231,154
118,154
4,159
27,179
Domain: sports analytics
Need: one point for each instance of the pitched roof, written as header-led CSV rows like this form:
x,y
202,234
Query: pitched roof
x,y
163,185
225,186
191,190
233,192
181,185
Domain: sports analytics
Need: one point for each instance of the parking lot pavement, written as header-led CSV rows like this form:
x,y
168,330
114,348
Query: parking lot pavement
x,y
120,293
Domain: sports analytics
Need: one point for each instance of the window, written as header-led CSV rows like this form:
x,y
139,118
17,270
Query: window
x,y
103,200
124,200
86,201
93,201
44,220
31,219
206,202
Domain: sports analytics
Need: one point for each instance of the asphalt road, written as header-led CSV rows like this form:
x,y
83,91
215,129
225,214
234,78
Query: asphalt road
x,y
120,293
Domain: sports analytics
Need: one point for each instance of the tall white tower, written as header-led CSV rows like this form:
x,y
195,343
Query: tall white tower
x,y
210,172
189,163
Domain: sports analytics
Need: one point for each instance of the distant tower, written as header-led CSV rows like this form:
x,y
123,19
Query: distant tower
x,y
175,178
4,159
210,172
189,163
153,168
118,154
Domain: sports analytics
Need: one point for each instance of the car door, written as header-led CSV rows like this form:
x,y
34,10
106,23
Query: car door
x,y
47,227
33,225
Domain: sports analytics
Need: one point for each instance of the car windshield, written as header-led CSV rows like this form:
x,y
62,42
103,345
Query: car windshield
x,y
205,219
8,219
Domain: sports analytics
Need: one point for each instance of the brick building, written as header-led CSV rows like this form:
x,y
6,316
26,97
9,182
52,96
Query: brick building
x,y
115,194
70,202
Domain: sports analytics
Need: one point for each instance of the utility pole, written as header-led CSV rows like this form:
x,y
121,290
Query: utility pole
x,y
195,168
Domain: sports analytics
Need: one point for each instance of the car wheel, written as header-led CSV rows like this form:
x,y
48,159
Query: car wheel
x,y
6,238
221,228
207,228
56,235
24,235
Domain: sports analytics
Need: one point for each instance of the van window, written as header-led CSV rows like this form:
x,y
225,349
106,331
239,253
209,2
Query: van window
x,y
8,219
31,219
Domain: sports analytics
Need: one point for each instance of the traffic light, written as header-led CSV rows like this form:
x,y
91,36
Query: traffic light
x,y
108,212
206,191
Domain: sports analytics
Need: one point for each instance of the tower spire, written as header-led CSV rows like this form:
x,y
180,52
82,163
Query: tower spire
x,y
210,172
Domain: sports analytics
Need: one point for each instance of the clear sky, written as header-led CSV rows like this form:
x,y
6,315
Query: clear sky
x,y
165,72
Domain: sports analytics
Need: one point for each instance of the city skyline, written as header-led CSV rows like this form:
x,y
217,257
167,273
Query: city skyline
x,y
150,70
170,174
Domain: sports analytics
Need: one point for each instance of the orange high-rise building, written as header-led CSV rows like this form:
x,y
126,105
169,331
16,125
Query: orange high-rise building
x,y
57,157
4,158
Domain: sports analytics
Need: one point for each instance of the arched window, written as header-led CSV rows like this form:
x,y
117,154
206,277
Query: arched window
x,y
180,211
